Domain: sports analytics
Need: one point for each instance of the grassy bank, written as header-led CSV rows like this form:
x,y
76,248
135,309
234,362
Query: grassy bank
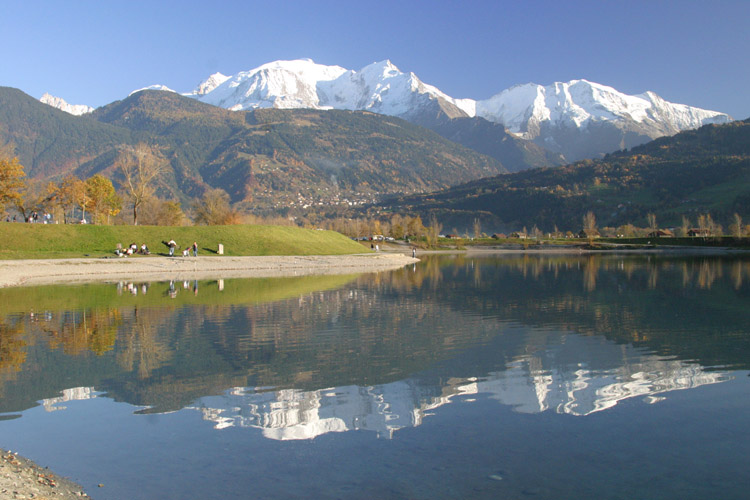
x,y
43,241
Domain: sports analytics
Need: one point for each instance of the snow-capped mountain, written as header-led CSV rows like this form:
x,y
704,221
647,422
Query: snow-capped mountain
x,y
583,119
578,119
380,88
59,103
154,87
523,108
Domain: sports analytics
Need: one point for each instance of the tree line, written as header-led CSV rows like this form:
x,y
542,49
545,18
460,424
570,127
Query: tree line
x,y
95,200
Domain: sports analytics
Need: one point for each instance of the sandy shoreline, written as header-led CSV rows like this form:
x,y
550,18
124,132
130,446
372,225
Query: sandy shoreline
x,y
154,268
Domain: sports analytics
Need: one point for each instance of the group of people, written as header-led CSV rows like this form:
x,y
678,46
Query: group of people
x,y
33,217
143,249
171,244
132,249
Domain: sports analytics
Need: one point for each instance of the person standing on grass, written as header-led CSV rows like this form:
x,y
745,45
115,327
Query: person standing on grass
x,y
195,249
172,244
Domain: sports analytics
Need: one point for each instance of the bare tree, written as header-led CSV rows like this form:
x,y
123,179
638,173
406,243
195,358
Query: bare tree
x,y
736,226
589,221
433,231
141,165
685,226
477,228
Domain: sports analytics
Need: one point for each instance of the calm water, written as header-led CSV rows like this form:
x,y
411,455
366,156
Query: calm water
x,y
511,377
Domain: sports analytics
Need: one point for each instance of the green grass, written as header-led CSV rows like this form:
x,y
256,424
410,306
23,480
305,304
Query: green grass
x,y
49,241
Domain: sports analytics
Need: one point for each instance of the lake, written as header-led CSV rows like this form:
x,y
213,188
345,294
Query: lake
x,y
514,376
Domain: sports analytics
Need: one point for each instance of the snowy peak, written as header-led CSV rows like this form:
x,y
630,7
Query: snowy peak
x,y
209,84
280,84
524,108
153,87
59,103
379,87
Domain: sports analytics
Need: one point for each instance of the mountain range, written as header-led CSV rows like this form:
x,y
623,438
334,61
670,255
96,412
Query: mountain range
x,y
292,135
567,121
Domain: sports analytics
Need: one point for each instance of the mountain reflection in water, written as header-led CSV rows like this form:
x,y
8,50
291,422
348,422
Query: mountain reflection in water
x,y
301,357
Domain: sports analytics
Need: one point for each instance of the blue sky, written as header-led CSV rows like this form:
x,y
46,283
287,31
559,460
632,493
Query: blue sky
x,y
95,52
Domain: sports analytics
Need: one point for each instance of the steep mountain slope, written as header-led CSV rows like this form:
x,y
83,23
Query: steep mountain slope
x,y
695,172
272,159
48,141
492,139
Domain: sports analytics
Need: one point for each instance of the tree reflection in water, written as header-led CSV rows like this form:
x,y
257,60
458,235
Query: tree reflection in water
x,y
169,346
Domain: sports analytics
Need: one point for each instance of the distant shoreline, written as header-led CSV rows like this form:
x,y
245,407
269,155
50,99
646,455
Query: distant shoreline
x,y
154,268
577,250
662,249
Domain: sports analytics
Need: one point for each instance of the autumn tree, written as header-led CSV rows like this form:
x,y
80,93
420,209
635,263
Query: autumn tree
x,y
158,212
589,226
67,195
397,227
101,199
33,197
213,209
141,166
414,227
11,182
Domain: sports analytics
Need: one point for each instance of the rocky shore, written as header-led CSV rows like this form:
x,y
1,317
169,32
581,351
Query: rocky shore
x,y
23,479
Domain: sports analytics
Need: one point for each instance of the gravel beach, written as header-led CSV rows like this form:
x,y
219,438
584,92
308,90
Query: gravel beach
x,y
56,271
23,479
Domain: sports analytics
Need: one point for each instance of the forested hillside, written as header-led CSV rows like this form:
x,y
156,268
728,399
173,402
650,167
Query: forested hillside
x,y
704,171
270,159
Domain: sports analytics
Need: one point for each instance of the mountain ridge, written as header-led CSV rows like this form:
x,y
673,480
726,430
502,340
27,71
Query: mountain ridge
x,y
576,119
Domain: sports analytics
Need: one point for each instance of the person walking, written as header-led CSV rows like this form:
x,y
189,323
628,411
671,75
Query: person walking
x,y
195,249
172,244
